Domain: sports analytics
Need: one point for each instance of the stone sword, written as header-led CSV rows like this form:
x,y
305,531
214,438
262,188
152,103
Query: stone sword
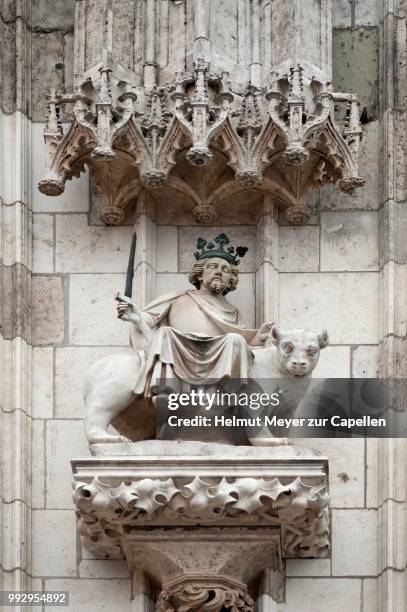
x,y
128,289
144,328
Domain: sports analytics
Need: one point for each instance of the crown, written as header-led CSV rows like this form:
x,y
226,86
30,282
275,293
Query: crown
x,y
210,249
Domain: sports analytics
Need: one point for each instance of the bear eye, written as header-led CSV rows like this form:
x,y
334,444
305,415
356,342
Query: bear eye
x,y
288,348
312,351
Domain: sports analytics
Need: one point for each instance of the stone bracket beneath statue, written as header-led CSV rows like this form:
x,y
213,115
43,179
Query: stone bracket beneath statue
x,y
167,485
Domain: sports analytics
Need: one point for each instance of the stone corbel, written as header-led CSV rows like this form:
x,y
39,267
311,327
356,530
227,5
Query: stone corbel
x,y
245,514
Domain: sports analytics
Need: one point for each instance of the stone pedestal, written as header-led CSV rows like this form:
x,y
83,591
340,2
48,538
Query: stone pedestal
x,y
244,509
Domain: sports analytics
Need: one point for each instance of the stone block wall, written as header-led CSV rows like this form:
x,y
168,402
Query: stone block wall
x,y
329,276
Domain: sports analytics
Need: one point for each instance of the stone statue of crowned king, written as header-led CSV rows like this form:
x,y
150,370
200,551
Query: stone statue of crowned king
x,y
195,335
190,338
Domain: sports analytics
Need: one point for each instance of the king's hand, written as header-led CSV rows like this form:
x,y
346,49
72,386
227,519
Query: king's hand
x,y
128,312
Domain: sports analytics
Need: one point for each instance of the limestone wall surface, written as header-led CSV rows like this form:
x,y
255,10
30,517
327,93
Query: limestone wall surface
x,y
333,273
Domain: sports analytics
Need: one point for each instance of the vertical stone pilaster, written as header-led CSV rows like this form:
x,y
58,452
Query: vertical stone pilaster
x,y
302,33
392,458
150,66
15,323
202,47
392,557
267,262
145,266
142,600
255,64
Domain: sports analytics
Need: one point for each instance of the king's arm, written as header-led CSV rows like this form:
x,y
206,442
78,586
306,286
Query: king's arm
x,y
143,321
132,314
154,314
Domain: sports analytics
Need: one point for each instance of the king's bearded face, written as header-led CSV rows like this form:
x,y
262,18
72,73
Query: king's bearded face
x,y
216,275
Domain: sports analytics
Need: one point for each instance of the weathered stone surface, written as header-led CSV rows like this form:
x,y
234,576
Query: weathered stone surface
x,y
355,65
396,213
167,249
47,58
365,361
16,316
238,236
310,595
42,382
298,249
76,195
49,527
43,243
69,62
341,13
82,248
349,241
368,197
346,467
395,282
48,310
92,310
366,12
334,363
16,426
401,8
59,453
372,469
103,569
309,567
327,301
87,595
393,515
8,10
14,512
38,464
370,595
354,542
15,221
55,15
8,65
392,352
71,366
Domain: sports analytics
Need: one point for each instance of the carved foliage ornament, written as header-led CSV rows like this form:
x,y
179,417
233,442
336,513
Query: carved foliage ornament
x,y
106,513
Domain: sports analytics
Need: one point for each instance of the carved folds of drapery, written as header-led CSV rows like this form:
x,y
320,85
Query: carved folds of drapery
x,y
280,137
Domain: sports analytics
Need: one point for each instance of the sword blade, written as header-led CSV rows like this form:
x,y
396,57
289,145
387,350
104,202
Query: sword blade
x,y
128,290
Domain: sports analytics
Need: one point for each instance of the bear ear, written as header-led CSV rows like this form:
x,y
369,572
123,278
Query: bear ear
x,y
275,335
323,339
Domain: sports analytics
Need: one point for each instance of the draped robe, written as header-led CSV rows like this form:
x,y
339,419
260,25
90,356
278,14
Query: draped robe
x,y
195,357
